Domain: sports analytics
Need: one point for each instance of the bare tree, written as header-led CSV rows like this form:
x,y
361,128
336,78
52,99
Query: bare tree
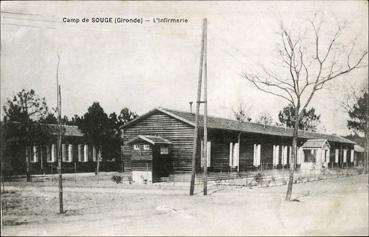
x,y
242,113
308,64
264,118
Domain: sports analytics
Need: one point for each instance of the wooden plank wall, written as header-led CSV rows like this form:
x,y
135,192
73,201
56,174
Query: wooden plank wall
x,y
159,124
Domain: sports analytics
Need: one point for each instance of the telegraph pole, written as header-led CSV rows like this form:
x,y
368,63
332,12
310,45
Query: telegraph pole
x,y
59,140
205,111
195,140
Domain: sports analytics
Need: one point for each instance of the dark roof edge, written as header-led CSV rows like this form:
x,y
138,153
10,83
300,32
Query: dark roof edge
x,y
162,110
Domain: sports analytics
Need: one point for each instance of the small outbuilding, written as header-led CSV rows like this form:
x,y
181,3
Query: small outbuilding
x,y
316,153
150,158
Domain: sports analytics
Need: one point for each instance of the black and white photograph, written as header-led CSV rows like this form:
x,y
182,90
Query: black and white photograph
x,y
184,118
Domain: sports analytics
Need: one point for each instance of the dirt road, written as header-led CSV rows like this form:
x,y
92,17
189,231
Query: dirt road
x,y
327,207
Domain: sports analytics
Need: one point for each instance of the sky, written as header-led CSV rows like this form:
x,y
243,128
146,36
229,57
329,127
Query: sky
x,y
143,66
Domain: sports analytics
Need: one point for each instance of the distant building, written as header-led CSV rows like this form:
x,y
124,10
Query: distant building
x,y
78,155
160,142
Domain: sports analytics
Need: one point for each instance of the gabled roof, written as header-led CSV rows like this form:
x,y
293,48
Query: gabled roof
x,y
316,143
153,140
234,125
69,130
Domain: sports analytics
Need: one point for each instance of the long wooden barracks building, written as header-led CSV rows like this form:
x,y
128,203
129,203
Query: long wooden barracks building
x,y
160,143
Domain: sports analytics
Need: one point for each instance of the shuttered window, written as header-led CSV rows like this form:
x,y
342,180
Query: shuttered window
x,y
257,155
94,153
234,154
85,153
64,152
352,155
208,151
300,155
80,153
284,155
275,155
164,150
336,155
70,153
34,157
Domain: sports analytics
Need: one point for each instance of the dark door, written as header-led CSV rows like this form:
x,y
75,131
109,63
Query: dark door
x,y
161,165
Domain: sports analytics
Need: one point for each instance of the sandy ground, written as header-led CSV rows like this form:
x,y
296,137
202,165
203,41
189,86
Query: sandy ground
x,y
327,207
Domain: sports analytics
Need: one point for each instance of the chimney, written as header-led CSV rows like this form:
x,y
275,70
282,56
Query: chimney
x,y
191,102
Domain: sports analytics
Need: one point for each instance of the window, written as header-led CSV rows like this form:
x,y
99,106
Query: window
x,y
80,153
164,150
300,155
34,156
352,155
284,155
94,153
344,155
136,147
257,154
208,151
234,154
146,147
336,155
48,153
275,155
326,156
70,153
85,151
64,152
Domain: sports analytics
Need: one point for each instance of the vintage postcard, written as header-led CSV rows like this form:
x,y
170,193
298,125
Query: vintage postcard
x,y
171,118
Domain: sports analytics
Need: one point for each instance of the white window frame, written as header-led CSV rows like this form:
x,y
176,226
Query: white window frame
x,y
53,153
34,154
146,147
64,153
79,152
275,155
284,155
70,153
234,154
257,155
94,158
164,150
300,155
208,151
136,147
336,155
352,155
85,152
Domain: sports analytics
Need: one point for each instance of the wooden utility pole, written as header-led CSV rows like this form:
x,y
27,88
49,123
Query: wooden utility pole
x,y
367,134
205,111
195,139
59,141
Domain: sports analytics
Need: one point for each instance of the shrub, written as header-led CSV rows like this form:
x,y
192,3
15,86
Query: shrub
x,y
259,178
117,179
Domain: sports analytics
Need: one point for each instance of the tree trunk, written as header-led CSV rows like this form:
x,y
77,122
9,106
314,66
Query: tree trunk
x,y
366,159
293,159
28,173
98,160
